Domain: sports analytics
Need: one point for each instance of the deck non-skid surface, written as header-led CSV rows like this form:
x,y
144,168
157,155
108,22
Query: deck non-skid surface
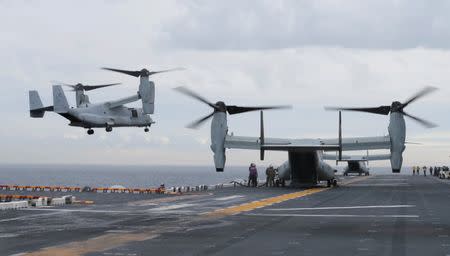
x,y
376,215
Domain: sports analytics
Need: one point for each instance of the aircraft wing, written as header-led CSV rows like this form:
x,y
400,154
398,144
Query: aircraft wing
x,y
361,143
277,144
120,102
358,158
280,144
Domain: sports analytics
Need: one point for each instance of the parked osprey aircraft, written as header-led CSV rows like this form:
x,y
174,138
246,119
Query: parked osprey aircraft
x,y
305,164
107,114
356,164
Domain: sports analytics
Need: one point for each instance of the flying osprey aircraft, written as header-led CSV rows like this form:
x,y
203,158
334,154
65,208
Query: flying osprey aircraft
x,y
305,164
107,114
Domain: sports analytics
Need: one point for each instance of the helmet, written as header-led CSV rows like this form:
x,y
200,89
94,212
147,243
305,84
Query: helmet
x,y
252,164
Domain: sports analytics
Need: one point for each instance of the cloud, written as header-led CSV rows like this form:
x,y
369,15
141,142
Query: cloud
x,y
305,53
203,140
268,24
72,136
159,140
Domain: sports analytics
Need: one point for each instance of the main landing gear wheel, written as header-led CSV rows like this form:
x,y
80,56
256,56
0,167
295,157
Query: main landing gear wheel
x,y
332,182
146,129
90,131
108,129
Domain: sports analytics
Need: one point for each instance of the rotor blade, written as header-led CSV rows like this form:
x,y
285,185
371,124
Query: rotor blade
x,y
93,87
194,95
420,120
197,123
381,110
128,72
162,71
420,94
237,109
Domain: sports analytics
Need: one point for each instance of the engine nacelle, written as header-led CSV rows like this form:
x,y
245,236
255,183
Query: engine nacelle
x,y
147,94
397,134
219,131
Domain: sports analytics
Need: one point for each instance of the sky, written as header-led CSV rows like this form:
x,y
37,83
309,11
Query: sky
x,y
308,54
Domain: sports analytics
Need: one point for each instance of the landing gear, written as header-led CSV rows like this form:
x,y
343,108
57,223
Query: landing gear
x,y
146,129
90,131
108,129
332,182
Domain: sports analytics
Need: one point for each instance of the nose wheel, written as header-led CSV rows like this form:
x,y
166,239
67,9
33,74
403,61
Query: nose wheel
x,y
146,129
108,129
90,131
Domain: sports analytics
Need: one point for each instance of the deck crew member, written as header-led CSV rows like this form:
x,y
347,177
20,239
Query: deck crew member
x,y
252,175
270,176
424,171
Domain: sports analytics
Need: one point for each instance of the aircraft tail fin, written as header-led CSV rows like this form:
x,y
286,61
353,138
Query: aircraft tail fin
x,y
37,109
60,103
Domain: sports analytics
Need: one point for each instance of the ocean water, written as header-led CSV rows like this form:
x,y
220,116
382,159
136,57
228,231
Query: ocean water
x,y
128,176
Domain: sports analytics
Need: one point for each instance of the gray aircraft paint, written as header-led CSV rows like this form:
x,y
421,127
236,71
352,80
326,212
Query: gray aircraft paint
x,y
81,98
397,134
60,104
219,129
147,94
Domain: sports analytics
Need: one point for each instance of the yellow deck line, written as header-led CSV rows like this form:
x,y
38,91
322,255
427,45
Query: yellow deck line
x,y
233,210
262,203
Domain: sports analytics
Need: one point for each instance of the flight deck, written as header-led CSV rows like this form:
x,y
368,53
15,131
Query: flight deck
x,y
371,215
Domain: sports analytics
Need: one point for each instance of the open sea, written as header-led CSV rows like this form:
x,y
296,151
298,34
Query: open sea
x,y
129,176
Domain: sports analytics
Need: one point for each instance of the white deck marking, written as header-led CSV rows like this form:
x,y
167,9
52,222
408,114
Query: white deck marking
x,y
342,207
28,217
389,179
170,207
75,210
379,184
332,215
226,198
